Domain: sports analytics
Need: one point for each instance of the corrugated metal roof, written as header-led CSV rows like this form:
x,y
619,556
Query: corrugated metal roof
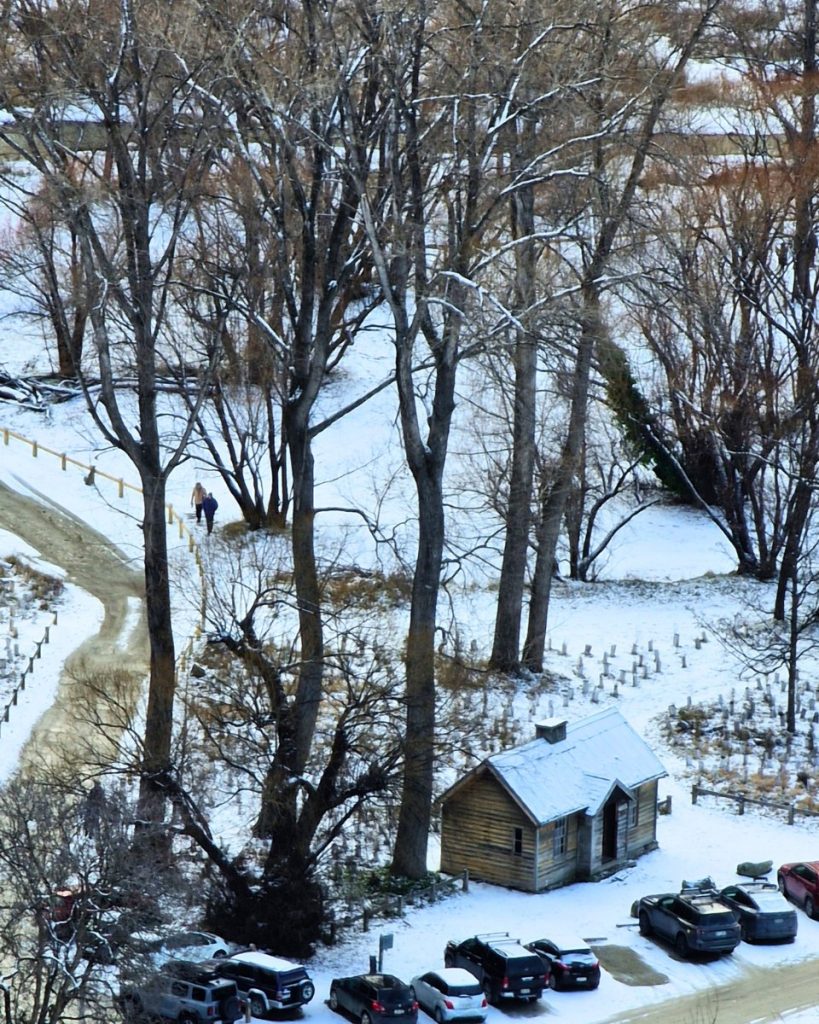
x,y
551,780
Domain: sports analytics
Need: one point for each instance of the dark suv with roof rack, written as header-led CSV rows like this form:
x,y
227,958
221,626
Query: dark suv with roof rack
x,y
265,982
695,920
503,966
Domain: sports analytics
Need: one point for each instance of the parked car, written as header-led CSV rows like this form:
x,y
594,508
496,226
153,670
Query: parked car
x,y
693,921
374,998
183,992
503,966
450,993
182,945
267,982
763,912
799,881
570,962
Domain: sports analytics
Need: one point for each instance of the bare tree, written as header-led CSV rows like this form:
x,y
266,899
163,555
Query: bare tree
x,y
65,870
241,733
41,264
617,39
127,210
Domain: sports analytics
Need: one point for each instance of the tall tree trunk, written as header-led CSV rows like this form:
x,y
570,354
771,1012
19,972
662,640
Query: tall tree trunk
x,y
305,575
410,852
159,714
506,643
556,498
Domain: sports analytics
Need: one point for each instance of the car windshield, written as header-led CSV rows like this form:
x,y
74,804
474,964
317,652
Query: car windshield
x,y
771,901
523,966
223,991
719,920
289,977
465,990
394,996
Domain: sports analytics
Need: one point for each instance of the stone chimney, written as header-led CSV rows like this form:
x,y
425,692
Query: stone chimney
x,y
553,730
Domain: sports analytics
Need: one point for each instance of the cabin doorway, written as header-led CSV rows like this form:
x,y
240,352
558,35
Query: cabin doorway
x,y
615,825
609,850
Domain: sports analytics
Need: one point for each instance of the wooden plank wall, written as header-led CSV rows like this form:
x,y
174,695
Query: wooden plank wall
x,y
477,833
553,871
644,836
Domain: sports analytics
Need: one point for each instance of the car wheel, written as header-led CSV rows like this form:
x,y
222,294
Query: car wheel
x,y
187,1018
449,961
681,944
333,1000
553,981
308,991
645,924
219,954
439,1015
489,991
809,907
780,881
257,1006
365,1018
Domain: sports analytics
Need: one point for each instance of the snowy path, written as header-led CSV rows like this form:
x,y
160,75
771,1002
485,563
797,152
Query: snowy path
x,y
95,565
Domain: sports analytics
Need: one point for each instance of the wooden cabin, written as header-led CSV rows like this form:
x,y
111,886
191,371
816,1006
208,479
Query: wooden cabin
x,y
574,804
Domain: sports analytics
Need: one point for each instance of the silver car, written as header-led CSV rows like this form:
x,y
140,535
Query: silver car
x,y
450,993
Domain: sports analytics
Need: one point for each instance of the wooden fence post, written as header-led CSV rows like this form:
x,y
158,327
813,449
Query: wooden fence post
x,y
694,793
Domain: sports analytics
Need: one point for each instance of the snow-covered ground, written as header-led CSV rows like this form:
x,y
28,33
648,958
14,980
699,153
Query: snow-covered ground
x,y
663,594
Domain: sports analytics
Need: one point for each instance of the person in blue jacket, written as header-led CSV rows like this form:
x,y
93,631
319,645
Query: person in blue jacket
x,y
209,506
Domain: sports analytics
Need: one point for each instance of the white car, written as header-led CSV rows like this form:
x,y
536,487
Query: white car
x,y
179,946
450,993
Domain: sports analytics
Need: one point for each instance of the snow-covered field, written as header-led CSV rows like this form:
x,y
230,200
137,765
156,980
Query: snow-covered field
x,y
663,594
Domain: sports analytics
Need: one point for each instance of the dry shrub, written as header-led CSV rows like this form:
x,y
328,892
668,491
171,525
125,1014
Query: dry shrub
x,y
454,675
365,589
763,784
44,588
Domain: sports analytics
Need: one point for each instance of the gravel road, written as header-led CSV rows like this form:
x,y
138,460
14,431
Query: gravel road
x,y
94,564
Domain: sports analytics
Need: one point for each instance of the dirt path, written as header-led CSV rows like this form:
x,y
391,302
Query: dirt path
x,y
98,567
762,995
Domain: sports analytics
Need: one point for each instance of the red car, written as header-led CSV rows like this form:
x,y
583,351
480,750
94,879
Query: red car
x,y
800,882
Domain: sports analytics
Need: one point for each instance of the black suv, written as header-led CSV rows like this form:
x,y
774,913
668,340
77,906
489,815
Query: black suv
x,y
266,982
184,992
694,921
501,964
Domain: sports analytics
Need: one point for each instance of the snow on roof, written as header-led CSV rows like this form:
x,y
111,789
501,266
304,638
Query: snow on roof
x,y
551,780
265,960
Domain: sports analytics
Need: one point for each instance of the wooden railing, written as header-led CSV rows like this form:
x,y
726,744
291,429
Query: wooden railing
x,y
92,474
742,800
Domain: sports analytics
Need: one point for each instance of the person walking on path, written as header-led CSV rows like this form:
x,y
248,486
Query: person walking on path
x,y
197,497
209,506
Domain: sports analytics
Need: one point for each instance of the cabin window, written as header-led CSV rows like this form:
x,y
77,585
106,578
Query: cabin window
x,y
634,814
559,838
517,842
